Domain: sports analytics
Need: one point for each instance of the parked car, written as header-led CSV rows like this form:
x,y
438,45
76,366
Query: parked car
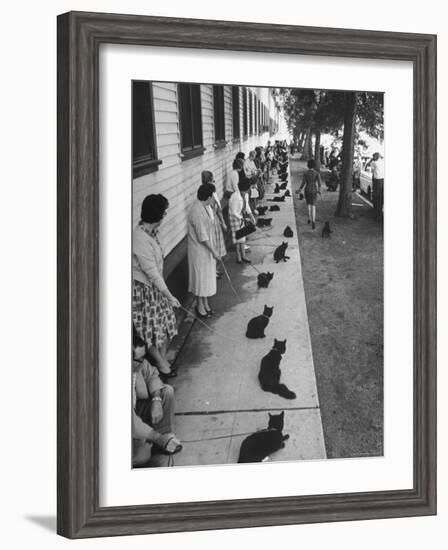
x,y
366,184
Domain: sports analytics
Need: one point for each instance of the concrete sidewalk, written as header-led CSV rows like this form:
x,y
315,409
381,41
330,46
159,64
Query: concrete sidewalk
x,y
217,389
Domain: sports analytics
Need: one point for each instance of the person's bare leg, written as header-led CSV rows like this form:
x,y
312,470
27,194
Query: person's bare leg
x,y
309,213
201,306
243,252
238,248
159,360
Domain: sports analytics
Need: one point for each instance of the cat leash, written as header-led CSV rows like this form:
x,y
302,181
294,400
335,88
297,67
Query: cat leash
x,y
170,463
230,282
216,437
207,326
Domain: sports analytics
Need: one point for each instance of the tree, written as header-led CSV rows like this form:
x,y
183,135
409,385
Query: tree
x,y
315,112
344,206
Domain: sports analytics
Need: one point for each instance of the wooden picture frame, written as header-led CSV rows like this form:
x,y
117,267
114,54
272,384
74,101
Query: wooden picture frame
x,y
79,37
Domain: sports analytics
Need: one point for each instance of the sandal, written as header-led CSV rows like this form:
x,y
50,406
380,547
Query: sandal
x,y
168,444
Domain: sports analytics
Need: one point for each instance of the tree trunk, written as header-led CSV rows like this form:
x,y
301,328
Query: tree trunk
x,y
317,150
306,145
301,140
344,208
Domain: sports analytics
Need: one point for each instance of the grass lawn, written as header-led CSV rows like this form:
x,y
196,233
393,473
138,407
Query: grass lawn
x,y
343,279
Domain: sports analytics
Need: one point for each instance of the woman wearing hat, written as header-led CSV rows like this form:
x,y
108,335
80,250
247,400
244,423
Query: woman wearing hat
x,y
152,303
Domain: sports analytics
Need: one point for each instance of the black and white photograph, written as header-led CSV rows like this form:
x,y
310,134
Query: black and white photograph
x,y
257,274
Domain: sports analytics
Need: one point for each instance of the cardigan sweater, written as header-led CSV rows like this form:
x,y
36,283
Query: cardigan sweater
x,y
147,259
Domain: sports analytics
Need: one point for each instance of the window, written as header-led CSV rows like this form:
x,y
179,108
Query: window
x,y
255,115
144,149
260,122
245,127
218,115
190,118
250,114
236,111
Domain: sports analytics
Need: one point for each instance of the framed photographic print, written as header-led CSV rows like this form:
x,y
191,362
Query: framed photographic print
x,y
246,274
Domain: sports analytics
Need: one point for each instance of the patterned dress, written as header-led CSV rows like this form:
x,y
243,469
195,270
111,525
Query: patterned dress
x,y
152,314
218,240
237,207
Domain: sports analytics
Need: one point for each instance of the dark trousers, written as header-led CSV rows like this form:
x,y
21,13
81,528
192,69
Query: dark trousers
x,y
378,195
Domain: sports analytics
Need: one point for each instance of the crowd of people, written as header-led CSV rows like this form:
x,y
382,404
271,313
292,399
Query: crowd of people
x,y
333,161
213,226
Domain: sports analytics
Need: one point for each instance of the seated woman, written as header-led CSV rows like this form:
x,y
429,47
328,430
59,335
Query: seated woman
x,y
202,254
152,303
152,410
238,209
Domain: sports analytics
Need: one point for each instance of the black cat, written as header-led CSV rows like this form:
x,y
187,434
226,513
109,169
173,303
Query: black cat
x,y
264,222
326,230
277,188
274,208
278,199
288,232
262,210
264,279
259,445
287,193
284,185
279,253
269,375
257,325
284,177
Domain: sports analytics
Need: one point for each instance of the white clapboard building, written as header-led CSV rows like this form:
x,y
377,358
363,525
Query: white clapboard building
x,y
180,130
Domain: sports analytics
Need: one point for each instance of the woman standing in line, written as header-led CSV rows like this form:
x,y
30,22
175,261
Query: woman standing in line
x,y
152,302
238,208
312,183
202,254
218,220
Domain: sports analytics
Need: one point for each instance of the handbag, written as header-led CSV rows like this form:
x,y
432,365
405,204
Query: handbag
x,y
247,229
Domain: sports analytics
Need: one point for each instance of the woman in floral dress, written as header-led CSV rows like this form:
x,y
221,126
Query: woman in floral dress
x,y
152,304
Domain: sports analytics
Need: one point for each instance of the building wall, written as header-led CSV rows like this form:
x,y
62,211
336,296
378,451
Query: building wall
x,y
179,179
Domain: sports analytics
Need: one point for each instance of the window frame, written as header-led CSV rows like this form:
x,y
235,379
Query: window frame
x,y
245,114
251,116
189,153
236,129
219,116
144,164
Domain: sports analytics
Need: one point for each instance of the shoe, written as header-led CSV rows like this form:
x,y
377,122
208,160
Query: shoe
x,y
200,315
246,261
165,376
168,445
210,312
